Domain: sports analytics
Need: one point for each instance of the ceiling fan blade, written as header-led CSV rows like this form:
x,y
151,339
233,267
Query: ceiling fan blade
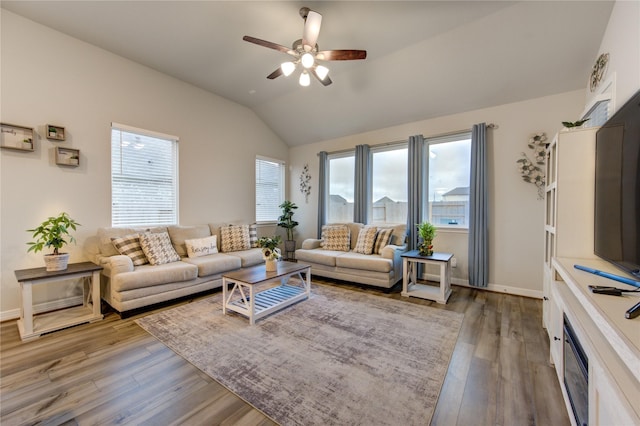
x,y
341,55
269,44
311,30
275,74
327,81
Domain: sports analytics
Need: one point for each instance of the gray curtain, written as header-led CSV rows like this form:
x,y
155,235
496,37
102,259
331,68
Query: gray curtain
x,y
362,191
323,187
478,209
416,184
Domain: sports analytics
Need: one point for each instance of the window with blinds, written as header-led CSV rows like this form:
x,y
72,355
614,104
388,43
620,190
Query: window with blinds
x,y
598,114
144,177
269,189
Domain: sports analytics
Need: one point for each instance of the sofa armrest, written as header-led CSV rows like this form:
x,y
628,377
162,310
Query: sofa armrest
x,y
117,264
310,244
392,251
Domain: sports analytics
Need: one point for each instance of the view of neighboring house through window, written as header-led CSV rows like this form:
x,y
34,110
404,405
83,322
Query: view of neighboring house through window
x,y
449,163
389,185
269,189
144,177
341,187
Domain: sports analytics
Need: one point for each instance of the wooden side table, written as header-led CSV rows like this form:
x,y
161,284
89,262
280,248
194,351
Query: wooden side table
x,y
411,287
32,326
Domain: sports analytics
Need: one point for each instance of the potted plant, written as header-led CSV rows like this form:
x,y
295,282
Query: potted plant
x,y
286,221
53,232
270,251
427,232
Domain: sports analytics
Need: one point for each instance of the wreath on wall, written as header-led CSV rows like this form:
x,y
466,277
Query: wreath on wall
x,y
531,170
305,182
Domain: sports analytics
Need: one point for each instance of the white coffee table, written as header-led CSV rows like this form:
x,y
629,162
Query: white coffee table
x,y
244,299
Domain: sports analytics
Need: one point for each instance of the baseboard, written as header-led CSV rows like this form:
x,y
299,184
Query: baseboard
x,y
516,291
43,307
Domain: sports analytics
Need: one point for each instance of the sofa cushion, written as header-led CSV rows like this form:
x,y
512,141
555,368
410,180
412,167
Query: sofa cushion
x,y
201,246
214,264
234,238
319,256
366,240
336,237
371,262
249,257
383,238
158,248
129,245
105,235
179,234
150,275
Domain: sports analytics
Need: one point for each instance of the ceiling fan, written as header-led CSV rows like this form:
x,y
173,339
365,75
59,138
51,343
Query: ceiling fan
x,y
305,52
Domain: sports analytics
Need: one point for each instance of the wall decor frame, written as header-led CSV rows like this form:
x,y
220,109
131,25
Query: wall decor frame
x,y
19,138
55,133
67,157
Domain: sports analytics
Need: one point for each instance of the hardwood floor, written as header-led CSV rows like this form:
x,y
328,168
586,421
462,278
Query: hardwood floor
x,y
113,372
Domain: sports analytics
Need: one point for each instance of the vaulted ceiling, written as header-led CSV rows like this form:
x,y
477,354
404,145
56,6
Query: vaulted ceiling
x,y
425,58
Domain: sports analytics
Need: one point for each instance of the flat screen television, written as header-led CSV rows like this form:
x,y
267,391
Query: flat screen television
x,y
617,189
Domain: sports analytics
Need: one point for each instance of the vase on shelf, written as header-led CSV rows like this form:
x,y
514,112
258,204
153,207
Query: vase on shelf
x,y
271,265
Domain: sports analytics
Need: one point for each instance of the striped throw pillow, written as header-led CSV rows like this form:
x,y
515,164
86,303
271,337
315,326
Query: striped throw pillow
x,y
366,240
382,239
253,235
129,245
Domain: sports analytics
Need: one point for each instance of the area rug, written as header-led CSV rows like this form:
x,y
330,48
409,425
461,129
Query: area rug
x,y
339,358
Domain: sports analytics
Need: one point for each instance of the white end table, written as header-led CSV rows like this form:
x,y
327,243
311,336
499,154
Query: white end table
x,y
32,326
410,286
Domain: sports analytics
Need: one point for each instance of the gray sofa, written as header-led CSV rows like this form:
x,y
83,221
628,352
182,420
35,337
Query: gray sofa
x,y
126,286
380,270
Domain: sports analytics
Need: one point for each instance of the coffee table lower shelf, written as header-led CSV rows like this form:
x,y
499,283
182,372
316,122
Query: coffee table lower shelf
x,y
269,301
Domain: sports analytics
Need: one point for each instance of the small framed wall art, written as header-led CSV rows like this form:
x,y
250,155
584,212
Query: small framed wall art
x,y
55,133
67,157
19,138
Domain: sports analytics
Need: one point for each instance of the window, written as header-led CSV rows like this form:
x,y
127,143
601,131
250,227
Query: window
x,y
144,177
389,185
341,187
449,164
269,189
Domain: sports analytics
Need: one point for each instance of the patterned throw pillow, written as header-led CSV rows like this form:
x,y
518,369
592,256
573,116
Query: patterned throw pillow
x,y
158,248
234,238
253,235
336,237
201,246
382,239
129,245
366,240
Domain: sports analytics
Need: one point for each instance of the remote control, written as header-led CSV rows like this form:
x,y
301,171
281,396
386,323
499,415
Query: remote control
x,y
633,311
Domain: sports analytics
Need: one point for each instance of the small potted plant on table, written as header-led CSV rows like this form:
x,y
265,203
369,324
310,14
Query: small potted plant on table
x,y
427,232
53,232
270,251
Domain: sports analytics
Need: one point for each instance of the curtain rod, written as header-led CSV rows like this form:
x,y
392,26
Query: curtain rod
x,y
341,151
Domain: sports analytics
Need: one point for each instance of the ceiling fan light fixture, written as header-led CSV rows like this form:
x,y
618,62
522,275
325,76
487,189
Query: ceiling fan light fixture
x,y
305,79
307,60
287,68
322,71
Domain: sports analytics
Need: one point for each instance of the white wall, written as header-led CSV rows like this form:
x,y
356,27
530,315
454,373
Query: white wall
x,y
48,77
516,214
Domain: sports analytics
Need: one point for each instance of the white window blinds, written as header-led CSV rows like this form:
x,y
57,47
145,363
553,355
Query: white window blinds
x,y
144,177
269,189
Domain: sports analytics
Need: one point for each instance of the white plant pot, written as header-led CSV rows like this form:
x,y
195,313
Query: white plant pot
x,y
56,262
271,265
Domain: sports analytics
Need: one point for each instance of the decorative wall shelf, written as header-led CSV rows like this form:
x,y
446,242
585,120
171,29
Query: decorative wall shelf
x,y
67,157
19,138
55,133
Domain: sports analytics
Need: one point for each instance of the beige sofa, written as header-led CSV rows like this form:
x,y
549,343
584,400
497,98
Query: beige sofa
x,y
126,287
381,270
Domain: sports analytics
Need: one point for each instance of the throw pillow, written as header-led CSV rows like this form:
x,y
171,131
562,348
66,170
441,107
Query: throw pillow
x,y
382,239
129,245
158,248
366,240
201,246
253,235
336,237
234,238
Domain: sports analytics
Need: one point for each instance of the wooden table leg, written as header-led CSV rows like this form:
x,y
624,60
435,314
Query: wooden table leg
x,y
27,308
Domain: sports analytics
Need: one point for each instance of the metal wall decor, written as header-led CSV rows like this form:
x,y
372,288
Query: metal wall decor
x,y
598,71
